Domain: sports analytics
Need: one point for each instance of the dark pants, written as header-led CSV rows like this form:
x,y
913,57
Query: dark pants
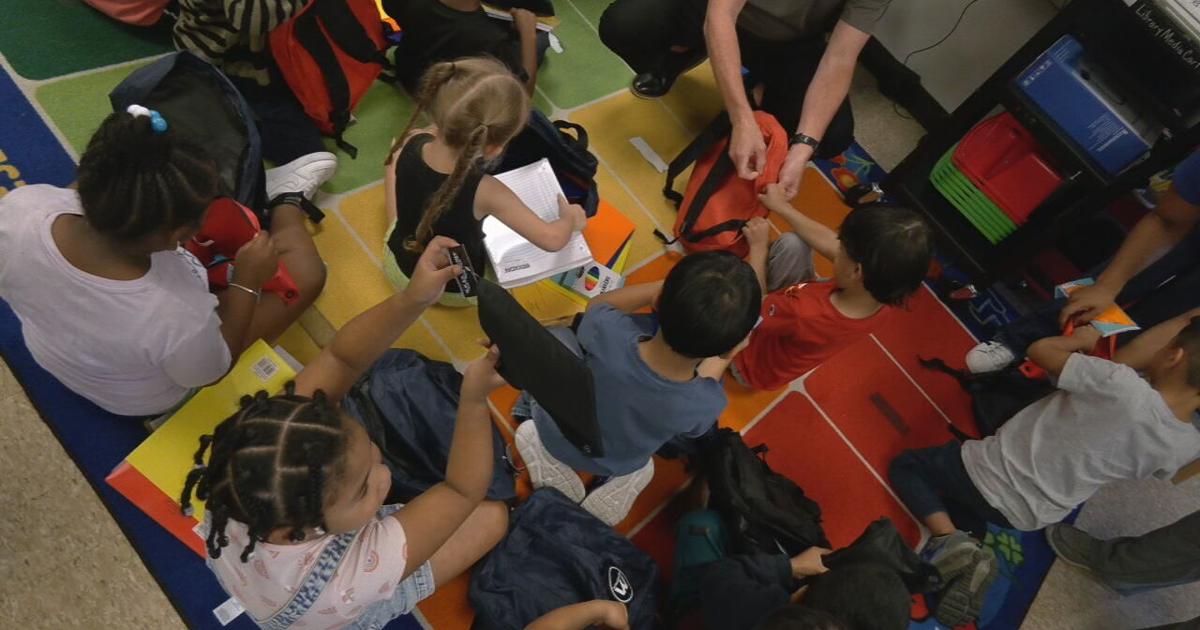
x,y
932,480
642,31
1153,302
287,132
1167,556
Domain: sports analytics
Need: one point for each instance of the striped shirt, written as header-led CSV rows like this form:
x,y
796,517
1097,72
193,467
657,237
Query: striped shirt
x,y
232,34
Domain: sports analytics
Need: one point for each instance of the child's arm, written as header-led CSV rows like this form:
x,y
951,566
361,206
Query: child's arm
x,y
254,264
526,24
1051,353
1138,352
630,298
366,337
610,614
430,519
498,200
758,235
823,240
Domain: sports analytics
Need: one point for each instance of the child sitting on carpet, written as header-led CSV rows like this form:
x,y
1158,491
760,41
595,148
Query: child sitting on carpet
x,y
296,487
109,303
1105,424
880,256
649,388
437,185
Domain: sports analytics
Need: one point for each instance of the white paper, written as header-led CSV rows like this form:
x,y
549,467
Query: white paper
x,y
518,262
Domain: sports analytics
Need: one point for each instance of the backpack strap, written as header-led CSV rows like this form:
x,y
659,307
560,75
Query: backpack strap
x,y
721,171
581,134
348,33
716,130
309,35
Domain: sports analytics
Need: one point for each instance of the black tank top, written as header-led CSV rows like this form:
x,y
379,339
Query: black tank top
x,y
416,183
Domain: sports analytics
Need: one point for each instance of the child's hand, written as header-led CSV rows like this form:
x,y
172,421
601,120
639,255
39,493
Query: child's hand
x,y
523,20
256,261
757,232
1084,338
574,212
481,377
775,198
432,271
614,615
809,562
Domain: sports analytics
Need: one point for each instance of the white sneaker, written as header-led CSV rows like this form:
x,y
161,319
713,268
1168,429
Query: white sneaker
x,y
989,356
304,174
544,470
612,501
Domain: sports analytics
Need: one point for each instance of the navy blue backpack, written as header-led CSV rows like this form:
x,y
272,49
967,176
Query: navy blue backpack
x,y
408,405
573,164
198,102
557,554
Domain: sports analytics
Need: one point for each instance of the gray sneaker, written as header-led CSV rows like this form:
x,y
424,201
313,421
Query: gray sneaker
x,y
544,470
612,501
952,554
962,601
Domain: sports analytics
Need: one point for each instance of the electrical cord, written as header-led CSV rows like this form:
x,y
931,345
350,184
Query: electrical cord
x,y
957,23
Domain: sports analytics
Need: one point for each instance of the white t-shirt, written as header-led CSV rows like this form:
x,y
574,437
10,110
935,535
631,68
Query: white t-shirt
x,y
369,573
1104,424
132,347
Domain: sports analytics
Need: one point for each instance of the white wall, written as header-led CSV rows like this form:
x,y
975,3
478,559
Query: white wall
x,y
989,34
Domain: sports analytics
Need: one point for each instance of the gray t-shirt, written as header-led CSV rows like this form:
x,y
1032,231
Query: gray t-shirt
x,y
787,20
1104,424
638,409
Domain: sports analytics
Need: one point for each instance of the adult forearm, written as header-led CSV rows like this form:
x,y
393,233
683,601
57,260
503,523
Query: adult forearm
x,y
825,94
720,35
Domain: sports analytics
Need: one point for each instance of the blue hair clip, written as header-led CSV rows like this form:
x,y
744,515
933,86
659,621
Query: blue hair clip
x,y
157,122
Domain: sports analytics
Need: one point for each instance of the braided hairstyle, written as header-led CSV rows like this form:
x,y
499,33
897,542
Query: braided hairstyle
x,y
272,464
475,102
134,182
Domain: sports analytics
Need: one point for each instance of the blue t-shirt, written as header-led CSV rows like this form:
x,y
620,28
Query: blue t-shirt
x,y
638,409
1187,179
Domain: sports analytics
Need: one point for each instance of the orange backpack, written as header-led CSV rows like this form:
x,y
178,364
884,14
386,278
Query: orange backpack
x,y
717,203
330,53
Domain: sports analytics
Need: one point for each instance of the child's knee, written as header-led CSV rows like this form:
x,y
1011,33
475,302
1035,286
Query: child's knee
x,y
493,522
901,466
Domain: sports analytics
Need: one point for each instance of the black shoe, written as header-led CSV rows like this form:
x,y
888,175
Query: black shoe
x,y
652,84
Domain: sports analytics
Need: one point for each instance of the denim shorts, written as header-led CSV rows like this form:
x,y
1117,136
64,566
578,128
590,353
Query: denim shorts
x,y
409,592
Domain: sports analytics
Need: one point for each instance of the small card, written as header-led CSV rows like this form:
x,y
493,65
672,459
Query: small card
x,y
467,279
596,279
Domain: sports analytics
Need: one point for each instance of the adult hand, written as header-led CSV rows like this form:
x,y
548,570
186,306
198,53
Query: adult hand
x,y
256,261
1087,303
574,212
747,149
793,169
432,271
481,377
523,20
809,562
757,232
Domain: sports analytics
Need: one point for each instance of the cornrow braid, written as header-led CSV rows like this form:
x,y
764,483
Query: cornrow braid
x,y
269,466
443,198
134,181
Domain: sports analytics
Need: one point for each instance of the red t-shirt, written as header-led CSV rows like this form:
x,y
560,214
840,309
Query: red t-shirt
x,y
801,328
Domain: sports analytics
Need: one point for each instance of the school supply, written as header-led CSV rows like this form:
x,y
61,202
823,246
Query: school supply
x,y
573,164
717,203
200,104
408,404
1003,160
541,8
135,12
607,235
763,510
1113,321
533,360
227,226
557,554
466,278
152,476
330,53
517,261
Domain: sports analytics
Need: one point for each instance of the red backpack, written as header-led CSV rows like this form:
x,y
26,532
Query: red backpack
x,y
330,53
227,226
717,203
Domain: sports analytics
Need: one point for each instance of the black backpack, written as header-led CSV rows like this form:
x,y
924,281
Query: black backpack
x,y
995,396
408,405
199,103
573,163
881,545
764,511
557,554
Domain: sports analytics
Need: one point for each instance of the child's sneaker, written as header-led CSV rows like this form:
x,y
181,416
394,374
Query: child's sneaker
x,y
962,601
611,502
304,175
544,470
989,356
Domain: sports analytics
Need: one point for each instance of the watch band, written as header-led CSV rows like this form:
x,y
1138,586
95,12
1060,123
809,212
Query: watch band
x,y
800,138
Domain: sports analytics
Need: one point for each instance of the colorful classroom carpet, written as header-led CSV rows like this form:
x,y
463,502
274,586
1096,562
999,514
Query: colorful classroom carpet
x,y
833,431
